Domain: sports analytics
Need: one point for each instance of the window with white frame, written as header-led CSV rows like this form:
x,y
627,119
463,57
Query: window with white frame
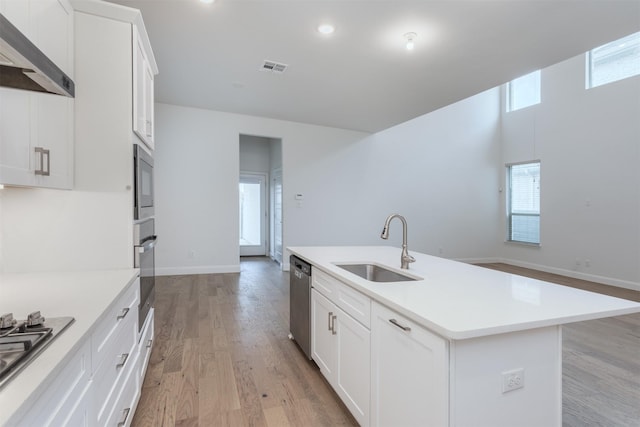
x,y
523,91
523,202
613,61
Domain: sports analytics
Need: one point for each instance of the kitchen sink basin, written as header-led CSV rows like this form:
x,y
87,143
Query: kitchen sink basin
x,y
376,273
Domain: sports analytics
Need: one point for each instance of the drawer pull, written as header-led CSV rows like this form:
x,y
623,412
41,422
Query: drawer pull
x,y
123,419
149,343
333,325
404,328
329,320
123,360
123,313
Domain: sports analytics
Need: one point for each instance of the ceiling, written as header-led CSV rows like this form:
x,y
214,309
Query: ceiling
x,y
361,77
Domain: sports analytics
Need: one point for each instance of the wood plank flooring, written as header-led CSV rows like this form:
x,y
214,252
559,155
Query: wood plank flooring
x,y
222,358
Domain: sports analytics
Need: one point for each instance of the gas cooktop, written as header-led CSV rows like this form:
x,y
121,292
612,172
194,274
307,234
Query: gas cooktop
x,y
22,341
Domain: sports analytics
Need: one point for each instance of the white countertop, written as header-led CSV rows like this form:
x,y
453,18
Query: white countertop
x,y
461,301
85,295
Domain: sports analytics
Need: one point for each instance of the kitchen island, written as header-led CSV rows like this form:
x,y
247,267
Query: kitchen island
x,y
460,345
65,379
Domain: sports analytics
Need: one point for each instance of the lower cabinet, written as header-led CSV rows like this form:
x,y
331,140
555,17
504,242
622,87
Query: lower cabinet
x,y
341,347
100,385
65,402
410,372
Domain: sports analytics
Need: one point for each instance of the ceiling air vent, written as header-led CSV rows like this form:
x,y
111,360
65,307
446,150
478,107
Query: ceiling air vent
x,y
274,67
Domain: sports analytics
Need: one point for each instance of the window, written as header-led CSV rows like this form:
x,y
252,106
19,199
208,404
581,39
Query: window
x,y
523,204
614,61
523,91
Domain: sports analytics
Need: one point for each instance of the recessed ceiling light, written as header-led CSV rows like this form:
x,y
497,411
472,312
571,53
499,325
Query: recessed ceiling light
x,y
326,29
207,1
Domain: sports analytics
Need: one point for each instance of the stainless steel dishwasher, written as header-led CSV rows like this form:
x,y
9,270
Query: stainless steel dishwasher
x,y
300,303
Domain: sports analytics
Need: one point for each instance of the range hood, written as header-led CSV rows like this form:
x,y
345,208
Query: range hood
x,y
24,66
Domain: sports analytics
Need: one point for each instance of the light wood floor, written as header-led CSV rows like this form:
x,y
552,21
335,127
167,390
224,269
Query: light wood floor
x,y
222,358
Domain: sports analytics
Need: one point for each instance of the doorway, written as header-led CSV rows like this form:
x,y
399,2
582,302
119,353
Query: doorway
x,y
253,214
260,197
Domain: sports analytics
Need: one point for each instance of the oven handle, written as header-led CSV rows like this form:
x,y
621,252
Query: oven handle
x,y
147,245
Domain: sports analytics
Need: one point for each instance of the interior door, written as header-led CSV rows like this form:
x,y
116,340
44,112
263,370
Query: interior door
x,y
253,214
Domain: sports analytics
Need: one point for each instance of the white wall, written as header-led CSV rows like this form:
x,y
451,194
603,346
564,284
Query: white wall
x,y
255,154
588,142
196,166
435,170
57,230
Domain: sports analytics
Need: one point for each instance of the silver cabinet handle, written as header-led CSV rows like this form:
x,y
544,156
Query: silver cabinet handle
x,y
404,328
42,152
329,320
333,325
123,419
149,343
123,360
123,313
149,126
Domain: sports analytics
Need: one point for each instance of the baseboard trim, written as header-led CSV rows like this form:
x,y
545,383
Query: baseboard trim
x,y
575,274
200,269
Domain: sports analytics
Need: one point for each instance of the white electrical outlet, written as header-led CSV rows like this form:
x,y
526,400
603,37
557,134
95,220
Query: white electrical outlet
x,y
512,380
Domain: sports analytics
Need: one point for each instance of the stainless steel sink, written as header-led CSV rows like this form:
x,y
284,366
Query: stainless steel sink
x,y
376,273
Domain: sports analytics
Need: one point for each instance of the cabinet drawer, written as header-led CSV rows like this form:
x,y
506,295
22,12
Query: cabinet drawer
x,y
123,310
146,345
63,395
354,303
112,372
128,395
324,283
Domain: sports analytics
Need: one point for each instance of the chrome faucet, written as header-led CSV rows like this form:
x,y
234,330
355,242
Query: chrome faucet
x,y
405,258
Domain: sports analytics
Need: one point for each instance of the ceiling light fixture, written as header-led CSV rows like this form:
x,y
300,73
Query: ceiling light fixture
x,y
207,1
326,29
410,40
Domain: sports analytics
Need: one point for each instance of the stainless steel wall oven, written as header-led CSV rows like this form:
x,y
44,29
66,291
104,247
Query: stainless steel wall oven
x,y
143,206
144,259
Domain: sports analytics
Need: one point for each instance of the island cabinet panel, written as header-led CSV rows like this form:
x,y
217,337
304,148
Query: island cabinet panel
x,y
409,372
480,372
341,347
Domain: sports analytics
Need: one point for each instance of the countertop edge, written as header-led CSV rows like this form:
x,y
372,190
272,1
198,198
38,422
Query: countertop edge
x,y
446,332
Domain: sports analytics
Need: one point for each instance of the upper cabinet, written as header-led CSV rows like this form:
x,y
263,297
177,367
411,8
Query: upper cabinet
x,y
115,68
36,129
142,91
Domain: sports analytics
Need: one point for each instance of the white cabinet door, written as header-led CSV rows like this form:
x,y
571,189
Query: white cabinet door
x,y
353,372
15,137
341,348
36,129
323,345
410,372
142,92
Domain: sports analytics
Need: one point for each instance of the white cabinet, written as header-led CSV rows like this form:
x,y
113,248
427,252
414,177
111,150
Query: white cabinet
x,y
410,372
114,355
36,129
106,130
64,402
340,346
143,124
146,344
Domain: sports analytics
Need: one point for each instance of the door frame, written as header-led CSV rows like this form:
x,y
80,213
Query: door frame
x,y
263,249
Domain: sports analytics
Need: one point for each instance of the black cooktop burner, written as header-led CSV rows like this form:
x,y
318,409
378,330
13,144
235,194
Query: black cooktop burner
x,y
21,343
